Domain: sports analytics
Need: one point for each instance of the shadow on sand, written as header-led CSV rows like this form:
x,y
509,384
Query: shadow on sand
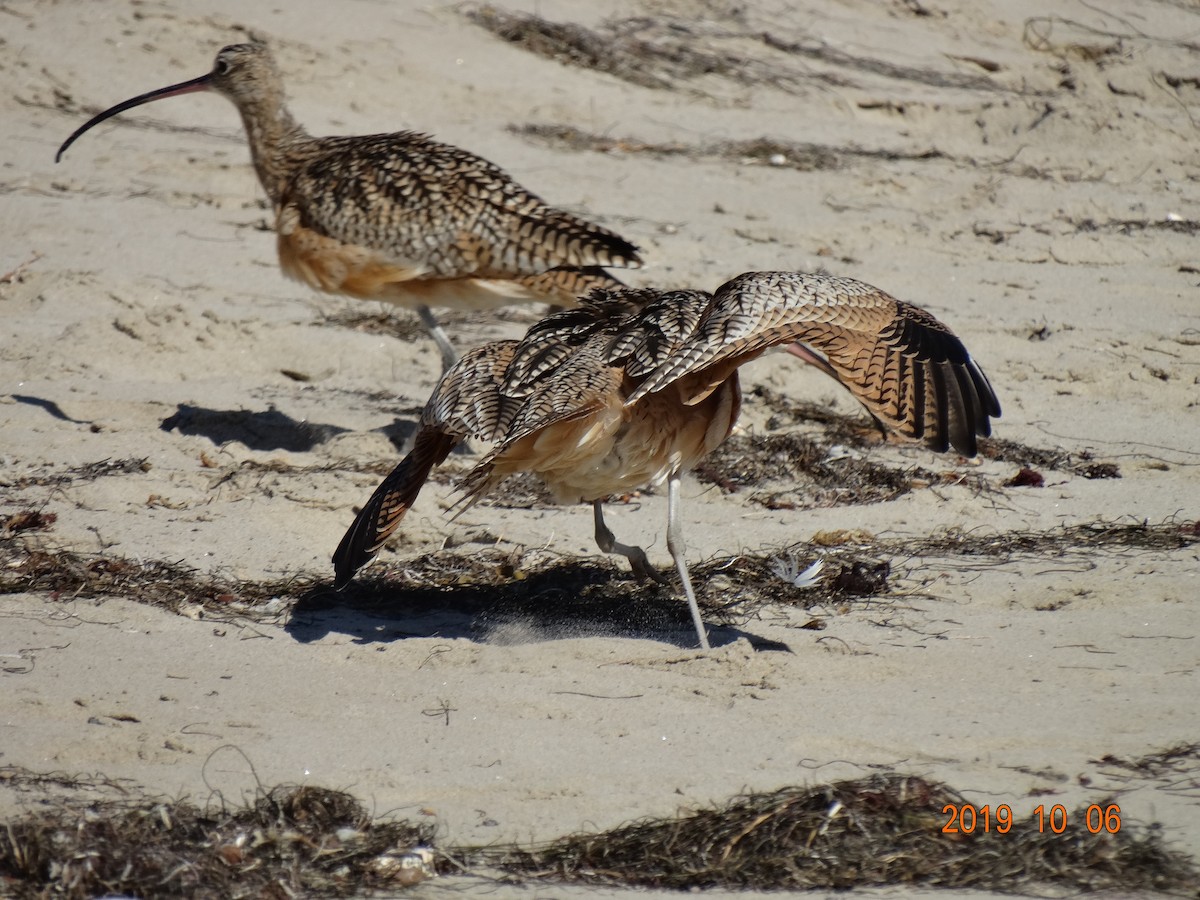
x,y
566,600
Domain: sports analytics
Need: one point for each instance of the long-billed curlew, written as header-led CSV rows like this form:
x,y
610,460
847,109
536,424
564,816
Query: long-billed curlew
x,y
637,386
400,217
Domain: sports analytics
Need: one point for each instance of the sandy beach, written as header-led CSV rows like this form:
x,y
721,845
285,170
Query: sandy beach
x,y
171,399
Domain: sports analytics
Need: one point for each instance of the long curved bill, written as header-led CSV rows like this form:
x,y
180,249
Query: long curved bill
x,y
203,83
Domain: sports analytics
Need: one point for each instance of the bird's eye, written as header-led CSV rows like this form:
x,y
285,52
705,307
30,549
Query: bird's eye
x,y
222,66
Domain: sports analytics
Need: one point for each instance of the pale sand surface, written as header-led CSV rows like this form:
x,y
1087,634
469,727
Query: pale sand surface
x,y
1054,230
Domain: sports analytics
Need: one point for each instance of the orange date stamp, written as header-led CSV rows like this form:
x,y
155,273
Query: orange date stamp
x,y
965,818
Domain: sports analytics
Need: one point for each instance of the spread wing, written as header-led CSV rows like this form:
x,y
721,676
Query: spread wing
x,y
901,363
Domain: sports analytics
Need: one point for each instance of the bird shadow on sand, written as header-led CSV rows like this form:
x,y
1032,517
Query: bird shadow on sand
x,y
49,406
564,601
268,429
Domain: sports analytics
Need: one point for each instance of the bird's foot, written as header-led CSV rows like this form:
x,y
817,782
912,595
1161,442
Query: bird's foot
x,y
642,568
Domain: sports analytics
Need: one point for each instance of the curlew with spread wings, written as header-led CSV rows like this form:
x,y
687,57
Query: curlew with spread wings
x,y
634,387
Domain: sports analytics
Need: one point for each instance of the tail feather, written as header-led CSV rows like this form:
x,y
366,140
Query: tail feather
x,y
564,285
382,514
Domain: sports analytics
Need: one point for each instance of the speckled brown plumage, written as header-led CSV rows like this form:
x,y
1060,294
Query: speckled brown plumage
x,y
636,386
400,217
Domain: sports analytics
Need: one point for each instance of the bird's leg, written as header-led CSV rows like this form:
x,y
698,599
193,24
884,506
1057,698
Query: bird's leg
x,y
676,546
449,354
608,543
813,359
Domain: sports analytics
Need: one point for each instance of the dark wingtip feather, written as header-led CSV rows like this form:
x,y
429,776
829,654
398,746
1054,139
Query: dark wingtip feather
x,y
626,254
965,400
939,441
361,542
964,418
990,408
390,502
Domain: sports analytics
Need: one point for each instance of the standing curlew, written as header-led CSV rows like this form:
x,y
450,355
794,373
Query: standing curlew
x,y
637,386
400,217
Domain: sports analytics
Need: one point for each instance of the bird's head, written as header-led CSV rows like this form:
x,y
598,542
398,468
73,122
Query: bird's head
x,y
244,73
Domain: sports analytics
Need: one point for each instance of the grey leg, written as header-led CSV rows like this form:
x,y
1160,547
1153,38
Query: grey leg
x,y
813,359
676,546
449,354
608,543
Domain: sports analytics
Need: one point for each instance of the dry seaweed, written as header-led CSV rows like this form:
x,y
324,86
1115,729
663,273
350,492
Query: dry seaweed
x,y
1175,770
886,829
1086,537
377,321
1094,470
521,491
665,52
813,48
803,156
1181,757
524,490
1002,450
18,778
1081,462
1138,226
818,474
561,592
853,430
103,468
64,574
598,595
393,321
635,50
293,841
